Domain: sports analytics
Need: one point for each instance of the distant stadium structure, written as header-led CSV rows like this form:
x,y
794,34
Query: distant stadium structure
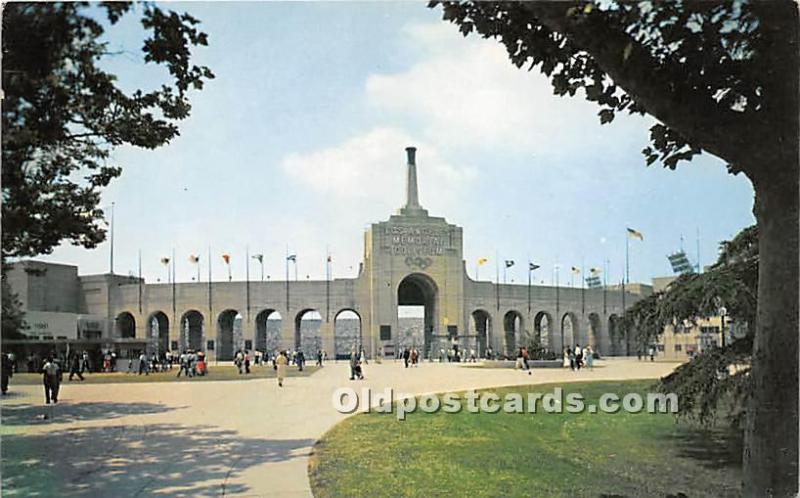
x,y
410,259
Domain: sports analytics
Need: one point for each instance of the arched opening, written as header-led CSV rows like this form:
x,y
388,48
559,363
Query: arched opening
x,y
482,326
569,330
416,312
512,326
192,330
229,333
594,331
346,333
615,335
268,330
541,329
125,325
158,331
307,325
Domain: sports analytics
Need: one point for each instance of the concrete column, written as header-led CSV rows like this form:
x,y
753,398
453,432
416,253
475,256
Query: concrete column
x,y
326,335
287,332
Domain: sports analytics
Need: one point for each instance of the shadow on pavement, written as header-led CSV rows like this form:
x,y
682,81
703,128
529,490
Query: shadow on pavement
x,y
27,414
134,460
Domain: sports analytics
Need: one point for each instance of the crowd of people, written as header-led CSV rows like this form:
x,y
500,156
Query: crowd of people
x,y
577,357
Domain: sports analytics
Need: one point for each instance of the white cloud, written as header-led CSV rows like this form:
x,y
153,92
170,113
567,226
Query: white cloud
x,y
466,91
369,169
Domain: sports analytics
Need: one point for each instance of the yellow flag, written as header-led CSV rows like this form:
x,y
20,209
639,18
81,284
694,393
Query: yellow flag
x,y
482,261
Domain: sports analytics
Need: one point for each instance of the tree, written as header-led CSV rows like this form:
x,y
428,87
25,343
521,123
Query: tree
x,y
62,114
716,382
719,77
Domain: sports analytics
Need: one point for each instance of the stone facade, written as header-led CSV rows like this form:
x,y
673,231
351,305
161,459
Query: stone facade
x,y
410,259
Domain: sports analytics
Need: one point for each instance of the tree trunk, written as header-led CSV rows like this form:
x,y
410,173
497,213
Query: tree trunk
x,y
771,434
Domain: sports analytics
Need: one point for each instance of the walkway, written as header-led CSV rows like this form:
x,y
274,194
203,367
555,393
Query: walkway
x,y
234,438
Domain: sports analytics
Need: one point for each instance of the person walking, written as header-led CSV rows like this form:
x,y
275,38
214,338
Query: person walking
x,y
85,362
589,354
652,353
406,356
578,357
280,367
354,363
143,364
7,371
75,367
51,378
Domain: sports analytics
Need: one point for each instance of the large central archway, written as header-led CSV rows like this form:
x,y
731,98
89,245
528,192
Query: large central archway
x,y
417,290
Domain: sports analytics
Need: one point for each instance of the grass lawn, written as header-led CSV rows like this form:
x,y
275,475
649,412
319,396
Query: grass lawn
x,y
527,455
215,372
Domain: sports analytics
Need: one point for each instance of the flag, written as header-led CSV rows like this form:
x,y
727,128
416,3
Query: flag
x,y
595,271
482,261
509,263
634,234
576,270
164,261
292,257
194,259
533,266
226,258
329,258
259,257
593,282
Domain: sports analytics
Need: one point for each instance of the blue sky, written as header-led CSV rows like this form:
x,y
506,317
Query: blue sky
x,y
298,143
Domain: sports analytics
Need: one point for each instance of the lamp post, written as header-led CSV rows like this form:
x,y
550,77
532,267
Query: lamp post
x,y
722,312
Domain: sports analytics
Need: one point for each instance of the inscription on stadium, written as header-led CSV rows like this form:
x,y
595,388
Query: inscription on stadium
x,y
406,240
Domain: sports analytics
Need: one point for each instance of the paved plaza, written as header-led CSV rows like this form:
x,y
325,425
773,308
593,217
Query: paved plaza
x,y
232,438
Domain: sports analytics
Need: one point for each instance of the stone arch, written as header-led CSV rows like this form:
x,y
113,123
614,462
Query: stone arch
x,y
158,331
512,328
307,327
125,325
482,325
570,332
542,329
228,334
191,331
268,330
418,289
594,335
347,333
615,337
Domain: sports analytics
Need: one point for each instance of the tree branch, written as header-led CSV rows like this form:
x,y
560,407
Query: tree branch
x,y
715,129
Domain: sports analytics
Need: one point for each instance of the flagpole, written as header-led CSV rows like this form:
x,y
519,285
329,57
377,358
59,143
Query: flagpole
x,y
210,307
287,277
627,259
198,269
529,286
327,285
174,307
111,256
583,288
247,279
605,286
497,279
140,280
558,314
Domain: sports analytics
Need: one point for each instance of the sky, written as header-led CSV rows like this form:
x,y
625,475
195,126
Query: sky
x,y
298,146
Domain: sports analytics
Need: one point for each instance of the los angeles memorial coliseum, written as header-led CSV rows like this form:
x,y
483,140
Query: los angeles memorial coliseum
x,y
410,259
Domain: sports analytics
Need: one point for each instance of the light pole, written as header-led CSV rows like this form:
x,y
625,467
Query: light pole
x,y
722,312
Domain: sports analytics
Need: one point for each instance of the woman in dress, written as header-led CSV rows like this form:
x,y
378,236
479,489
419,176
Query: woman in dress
x,y
280,366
